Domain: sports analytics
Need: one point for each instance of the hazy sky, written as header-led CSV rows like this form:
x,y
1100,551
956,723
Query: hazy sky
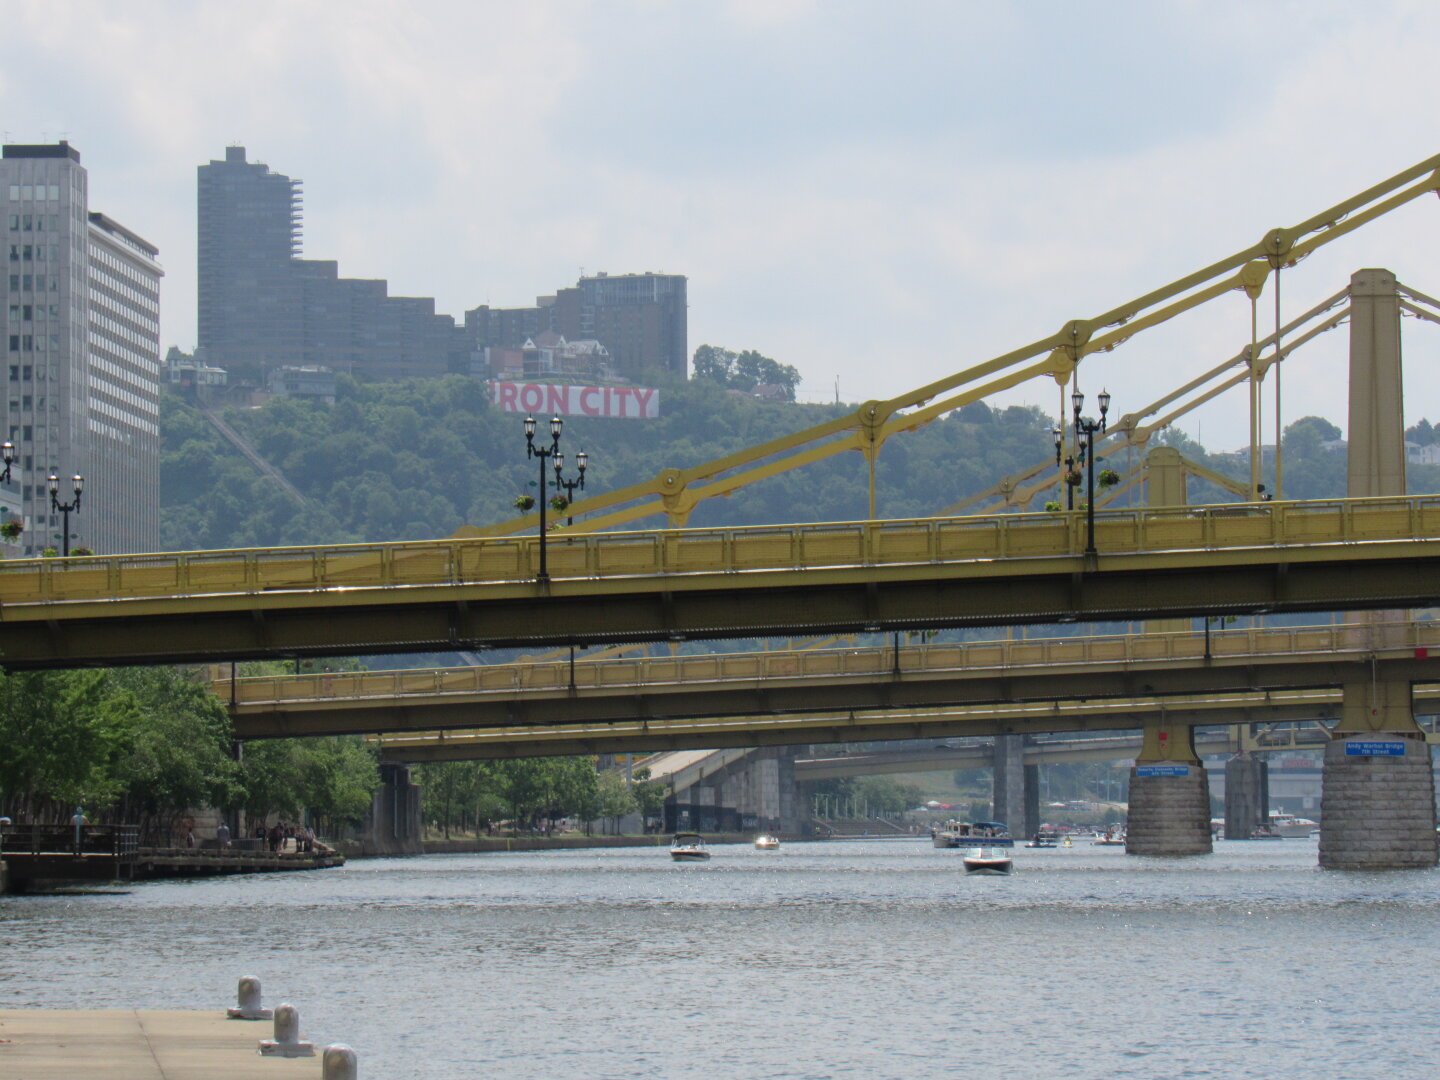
x,y
881,193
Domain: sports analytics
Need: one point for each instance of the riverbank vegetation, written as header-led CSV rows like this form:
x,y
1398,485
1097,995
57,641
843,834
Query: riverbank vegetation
x,y
148,746
527,793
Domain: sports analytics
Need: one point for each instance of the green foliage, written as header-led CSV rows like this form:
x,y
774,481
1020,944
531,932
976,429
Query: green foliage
x,y
649,794
415,460
522,790
145,745
743,371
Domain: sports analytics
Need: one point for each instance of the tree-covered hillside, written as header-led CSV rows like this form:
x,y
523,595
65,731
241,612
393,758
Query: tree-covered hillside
x,y
416,460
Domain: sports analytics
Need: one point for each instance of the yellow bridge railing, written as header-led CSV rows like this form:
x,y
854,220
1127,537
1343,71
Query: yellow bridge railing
x,y
1320,643
685,556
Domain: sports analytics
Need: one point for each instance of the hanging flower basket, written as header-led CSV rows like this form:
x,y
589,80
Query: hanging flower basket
x,y
524,503
12,528
1109,478
1074,478
558,503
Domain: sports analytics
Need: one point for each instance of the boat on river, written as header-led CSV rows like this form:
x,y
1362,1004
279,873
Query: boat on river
x,y
964,834
688,847
1114,837
984,860
1290,826
1041,840
767,842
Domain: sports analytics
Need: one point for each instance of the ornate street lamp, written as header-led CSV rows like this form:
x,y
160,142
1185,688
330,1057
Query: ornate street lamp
x,y
582,462
552,453
7,454
65,509
1085,432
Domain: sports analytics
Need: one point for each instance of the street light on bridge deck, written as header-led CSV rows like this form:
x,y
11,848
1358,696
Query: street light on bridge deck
x,y
65,509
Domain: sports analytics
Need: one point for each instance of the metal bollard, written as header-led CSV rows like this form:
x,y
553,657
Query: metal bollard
x,y
287,1041
249,1001
339,1063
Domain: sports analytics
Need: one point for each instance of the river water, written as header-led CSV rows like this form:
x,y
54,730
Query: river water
x,y
856,959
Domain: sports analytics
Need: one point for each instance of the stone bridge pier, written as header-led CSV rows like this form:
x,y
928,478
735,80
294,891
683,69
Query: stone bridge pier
x,y
1377,795
1169,796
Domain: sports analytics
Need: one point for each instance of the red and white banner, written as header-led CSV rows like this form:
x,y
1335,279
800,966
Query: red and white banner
x,y
543,399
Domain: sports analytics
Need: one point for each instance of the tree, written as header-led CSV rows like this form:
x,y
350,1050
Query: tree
x,y
649,794
615,797
713,364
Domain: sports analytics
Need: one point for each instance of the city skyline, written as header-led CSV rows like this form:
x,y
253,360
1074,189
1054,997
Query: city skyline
x,y
867,202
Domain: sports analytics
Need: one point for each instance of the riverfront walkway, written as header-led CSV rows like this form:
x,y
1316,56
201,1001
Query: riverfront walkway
x,y
129,1044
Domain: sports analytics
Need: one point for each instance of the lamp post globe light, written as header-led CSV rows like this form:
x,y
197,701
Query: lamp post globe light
x,y
1085,431
7,455
551,453
582,462
65,509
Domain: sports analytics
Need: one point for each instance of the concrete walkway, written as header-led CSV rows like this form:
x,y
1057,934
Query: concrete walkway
x,y
61,1044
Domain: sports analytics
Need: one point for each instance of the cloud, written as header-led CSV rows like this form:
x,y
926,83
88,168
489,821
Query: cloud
x,y
879,194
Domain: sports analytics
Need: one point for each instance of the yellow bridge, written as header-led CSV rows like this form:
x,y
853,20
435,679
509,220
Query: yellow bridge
x,y
1346,554
758,687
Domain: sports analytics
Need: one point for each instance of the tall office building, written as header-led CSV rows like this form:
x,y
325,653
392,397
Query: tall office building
x,y
261,306
81,297
122,493
249,231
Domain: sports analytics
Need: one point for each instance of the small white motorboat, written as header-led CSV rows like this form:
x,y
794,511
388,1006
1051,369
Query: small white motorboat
x,y
767,842
987,861
688,847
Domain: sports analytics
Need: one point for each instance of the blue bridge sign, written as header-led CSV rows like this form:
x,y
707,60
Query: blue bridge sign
x,y
1388,748
1162,770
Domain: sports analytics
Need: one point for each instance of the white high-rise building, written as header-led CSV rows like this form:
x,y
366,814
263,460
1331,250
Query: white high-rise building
x,y
81,298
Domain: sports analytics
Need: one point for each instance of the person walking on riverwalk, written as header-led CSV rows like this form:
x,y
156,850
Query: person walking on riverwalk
x,y
222,835
79,821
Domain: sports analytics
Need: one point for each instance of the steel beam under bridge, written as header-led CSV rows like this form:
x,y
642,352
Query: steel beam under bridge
x,y
720,583
1103,748
809,681
750,731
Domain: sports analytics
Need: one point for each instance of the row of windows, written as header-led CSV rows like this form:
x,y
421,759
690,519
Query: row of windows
x,y
107,259
34,252
122,417
26,312
138,298
35,282
138,404
120,371
142,319
34,222
33,342
43,192
27,402
121,334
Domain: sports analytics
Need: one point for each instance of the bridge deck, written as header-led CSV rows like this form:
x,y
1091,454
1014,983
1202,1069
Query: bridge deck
x,y
809,680
1333,555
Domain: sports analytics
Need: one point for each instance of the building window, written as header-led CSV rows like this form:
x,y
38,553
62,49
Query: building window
x,y
14,342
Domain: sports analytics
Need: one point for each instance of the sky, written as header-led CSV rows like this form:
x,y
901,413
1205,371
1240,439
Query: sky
x,y
879,194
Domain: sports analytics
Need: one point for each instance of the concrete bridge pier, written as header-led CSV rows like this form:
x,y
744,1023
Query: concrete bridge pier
x,y
1377,795
393,825
1169,796
1247,795
1015,792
